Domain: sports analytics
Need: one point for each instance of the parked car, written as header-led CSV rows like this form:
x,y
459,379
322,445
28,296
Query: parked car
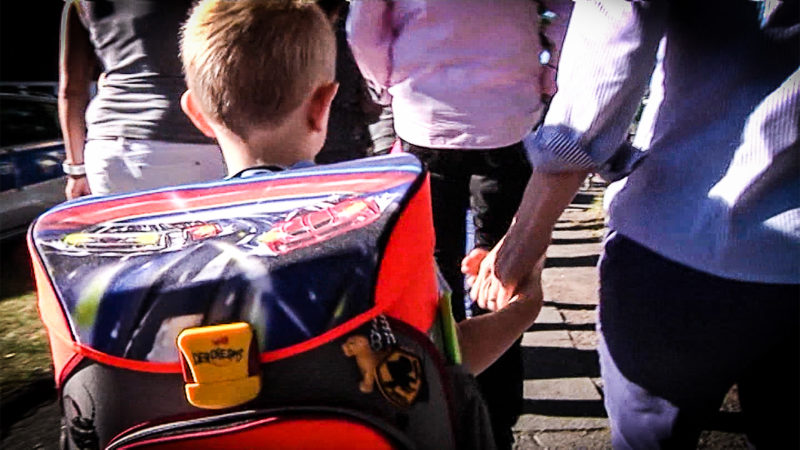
x,y
31,153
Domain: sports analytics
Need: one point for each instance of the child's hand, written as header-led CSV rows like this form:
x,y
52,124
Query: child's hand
x,y
486,289
471,263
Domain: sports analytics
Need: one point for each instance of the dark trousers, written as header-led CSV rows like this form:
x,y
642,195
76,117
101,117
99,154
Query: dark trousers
x,y
491,184
674,341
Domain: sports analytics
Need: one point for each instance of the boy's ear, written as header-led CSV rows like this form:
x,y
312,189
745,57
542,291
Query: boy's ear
x,y
320,106
192,110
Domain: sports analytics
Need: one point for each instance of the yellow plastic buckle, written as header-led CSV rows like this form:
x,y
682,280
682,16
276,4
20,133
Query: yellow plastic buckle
x,y
220,365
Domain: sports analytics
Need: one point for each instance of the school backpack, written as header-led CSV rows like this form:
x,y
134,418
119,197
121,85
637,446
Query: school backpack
x,y
294,309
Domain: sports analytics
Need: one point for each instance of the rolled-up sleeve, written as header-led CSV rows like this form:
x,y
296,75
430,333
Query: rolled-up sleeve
x,y
608,56
370,35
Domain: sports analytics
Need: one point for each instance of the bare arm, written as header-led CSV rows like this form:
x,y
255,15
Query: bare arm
x,y
485,338
509,281
77,65
545,198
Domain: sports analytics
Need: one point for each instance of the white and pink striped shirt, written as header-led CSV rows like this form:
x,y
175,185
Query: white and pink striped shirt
x,y
461,74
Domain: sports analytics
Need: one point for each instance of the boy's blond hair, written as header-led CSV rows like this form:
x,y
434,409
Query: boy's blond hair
x,y
250,63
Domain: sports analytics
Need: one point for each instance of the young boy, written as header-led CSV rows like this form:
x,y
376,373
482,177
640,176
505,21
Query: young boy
x,y
260,77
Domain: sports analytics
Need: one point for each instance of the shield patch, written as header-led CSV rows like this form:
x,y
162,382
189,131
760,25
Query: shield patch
x,y
399,377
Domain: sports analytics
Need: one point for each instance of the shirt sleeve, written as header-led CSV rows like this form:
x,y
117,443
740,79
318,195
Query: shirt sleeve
x,y
371,36
608,56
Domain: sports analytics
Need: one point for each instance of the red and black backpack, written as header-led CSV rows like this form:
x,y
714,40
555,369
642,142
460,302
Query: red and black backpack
x,y
298,309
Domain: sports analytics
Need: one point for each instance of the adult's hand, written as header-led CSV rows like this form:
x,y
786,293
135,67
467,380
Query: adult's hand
x,y
508,269
77,187
489,290
486,289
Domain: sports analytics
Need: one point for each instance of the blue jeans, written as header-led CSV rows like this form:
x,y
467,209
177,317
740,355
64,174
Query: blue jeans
x,y
674,341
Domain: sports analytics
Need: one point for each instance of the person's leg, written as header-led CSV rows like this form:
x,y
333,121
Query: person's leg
x,y
674,340
496,191
449,198
654,323
106,170
501,385
642,419
769,391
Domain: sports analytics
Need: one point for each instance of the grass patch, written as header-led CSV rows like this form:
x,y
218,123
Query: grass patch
x,y
24,352
597,213
597,205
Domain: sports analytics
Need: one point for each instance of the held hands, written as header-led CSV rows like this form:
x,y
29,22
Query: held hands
x,y
77,187
486,287
514,266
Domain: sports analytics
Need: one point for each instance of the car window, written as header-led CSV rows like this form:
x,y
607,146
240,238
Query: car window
x,y
24,121
319,219
295,227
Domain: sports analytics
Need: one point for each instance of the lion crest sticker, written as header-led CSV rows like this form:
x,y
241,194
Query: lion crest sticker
x,y
396,371
399,377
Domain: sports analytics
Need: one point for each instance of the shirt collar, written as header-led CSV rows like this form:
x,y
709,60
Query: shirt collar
x,y
267,169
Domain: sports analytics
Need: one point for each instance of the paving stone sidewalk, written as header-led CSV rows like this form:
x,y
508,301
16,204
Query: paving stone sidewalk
x,y
563,392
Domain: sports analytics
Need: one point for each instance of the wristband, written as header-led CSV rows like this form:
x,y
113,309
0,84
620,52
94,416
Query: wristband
x,y
74,169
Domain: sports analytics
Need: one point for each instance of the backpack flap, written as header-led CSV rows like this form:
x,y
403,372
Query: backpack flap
x,y
301,258
300,252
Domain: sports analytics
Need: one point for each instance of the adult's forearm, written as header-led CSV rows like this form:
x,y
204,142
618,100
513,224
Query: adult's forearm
x,y
545,198
71,113
77,66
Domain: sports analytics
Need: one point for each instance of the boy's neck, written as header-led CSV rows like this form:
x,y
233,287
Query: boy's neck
x,y
248,157
283,146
